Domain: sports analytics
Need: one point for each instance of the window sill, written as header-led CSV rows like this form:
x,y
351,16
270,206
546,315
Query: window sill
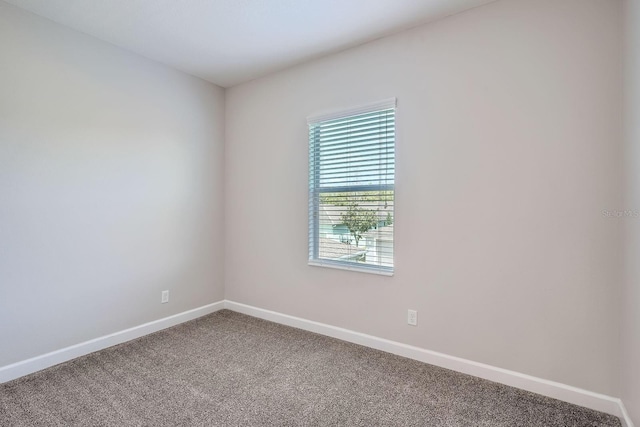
x,y
345,266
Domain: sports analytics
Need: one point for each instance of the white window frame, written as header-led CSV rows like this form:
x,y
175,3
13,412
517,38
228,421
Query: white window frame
x,y
314,193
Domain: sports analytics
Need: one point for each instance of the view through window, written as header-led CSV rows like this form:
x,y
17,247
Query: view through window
x,y
351,189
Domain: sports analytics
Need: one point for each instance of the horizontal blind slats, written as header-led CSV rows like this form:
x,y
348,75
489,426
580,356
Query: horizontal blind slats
x,y
386,125
375,140
360,121
352,133
341,170
351,180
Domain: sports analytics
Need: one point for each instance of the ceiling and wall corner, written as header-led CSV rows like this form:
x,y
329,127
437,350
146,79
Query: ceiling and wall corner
x,y
231,41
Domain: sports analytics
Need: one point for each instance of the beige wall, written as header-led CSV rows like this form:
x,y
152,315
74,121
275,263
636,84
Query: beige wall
x,y
508,152
631,297
111,170
111,175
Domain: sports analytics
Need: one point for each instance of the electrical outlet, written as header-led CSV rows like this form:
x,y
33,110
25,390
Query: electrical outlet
x,y
165,297
412,317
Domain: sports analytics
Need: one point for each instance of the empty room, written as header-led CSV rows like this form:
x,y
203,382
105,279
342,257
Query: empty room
x,y
320,213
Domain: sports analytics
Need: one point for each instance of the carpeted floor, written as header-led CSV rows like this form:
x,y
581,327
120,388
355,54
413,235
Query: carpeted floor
x,y
228,369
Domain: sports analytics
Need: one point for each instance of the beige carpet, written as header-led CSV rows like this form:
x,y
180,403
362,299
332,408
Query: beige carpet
x,y
227,369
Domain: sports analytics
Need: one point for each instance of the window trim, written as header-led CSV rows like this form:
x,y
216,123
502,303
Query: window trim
x,y
389,103
362,268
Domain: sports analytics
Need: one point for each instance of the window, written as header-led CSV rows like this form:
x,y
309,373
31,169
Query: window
x,y
351,188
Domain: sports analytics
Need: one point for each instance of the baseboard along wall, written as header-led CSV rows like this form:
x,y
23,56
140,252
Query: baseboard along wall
x,y
564,392
567,393
38,363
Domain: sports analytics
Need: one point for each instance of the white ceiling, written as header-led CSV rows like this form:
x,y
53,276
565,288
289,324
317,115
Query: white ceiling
x,y
231,41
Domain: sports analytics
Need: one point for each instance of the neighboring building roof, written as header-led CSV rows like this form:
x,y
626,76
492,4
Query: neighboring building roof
x,y
330,214
334,249
380,233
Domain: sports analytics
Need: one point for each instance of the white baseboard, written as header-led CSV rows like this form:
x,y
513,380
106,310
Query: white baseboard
x,y
566,393
625,417
25,367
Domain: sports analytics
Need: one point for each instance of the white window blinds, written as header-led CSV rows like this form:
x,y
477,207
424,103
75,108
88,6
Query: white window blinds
x,y
351,188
